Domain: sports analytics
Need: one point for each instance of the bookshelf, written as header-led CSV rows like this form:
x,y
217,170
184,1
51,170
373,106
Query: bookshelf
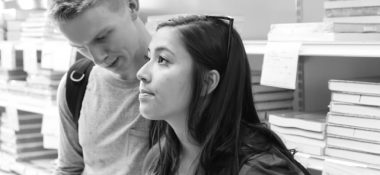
x,y
324,49
320,62
46,65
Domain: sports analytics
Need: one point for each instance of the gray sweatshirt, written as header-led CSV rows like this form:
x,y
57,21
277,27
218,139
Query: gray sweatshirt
x,y
112,136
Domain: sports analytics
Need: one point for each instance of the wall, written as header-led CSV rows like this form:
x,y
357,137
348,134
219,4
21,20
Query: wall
x,y
257,14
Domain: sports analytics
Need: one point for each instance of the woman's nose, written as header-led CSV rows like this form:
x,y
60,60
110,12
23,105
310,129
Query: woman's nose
x,y
143,73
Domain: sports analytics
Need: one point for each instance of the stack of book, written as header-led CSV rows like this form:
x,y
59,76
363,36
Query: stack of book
x,y
268,98
13,74
2,28
353,20
38,27
304,132
21,137
353,130
43,84
11,63
359,16
13,20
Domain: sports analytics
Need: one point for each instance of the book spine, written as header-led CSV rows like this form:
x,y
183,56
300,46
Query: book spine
x,y
356,11
346,4
356,28
354,19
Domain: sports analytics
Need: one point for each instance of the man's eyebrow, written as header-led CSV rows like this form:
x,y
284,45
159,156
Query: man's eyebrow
x,y
102,32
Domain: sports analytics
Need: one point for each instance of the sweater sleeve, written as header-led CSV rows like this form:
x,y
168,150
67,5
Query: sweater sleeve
x,y
70,157
270,163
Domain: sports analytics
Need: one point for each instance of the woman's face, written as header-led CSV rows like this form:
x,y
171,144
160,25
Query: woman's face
x,y
165,80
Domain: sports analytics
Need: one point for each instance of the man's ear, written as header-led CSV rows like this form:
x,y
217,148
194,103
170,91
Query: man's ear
x,y
133,6
211,81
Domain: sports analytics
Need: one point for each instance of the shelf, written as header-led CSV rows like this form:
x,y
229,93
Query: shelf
x,y
25,103
340,49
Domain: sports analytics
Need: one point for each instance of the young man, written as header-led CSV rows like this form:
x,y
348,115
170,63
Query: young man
x,y
111,136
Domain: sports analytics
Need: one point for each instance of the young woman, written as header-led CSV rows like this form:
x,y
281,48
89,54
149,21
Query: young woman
x,y
196,86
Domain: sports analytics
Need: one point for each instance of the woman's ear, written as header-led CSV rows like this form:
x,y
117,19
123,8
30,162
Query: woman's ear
x,y
133,6
212,79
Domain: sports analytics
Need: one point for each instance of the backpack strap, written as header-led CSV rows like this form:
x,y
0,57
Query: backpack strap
x,y
76,83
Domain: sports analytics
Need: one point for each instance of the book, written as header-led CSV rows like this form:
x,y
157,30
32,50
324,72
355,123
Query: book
x,y
365,85
356,28
301,28
347,4
25,138
303,140
297,131
13,25
353,155
354,109
360,122
263,115
354,19
324,37
339,167
263,89
307,121
14,14
270,105
303,148
311,162
349,143
353,132
273,96
352,11
361,99
255,76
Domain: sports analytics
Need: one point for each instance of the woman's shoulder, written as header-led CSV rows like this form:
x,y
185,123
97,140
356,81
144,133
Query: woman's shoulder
x,y
272,162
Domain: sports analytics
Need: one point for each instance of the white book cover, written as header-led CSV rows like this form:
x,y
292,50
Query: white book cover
x,y
352,132
297,131
353,155
336,167
304,148
356,98
310,37
355,109
303,140
348,4
355,121
354,19
301,28
367,85
303,120
348,143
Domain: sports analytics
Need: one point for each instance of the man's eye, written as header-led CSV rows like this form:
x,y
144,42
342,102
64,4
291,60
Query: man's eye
x,y
146,57
100,38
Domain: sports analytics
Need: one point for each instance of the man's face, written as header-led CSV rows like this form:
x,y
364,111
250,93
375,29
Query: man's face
x,y
107,37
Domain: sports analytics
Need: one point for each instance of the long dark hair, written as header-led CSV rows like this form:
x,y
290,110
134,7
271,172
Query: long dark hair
x,y
226,127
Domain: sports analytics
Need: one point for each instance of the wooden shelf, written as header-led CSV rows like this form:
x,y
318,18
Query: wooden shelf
x,y
340,49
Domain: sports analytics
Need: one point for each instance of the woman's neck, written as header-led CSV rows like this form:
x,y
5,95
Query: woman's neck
x,y
190,150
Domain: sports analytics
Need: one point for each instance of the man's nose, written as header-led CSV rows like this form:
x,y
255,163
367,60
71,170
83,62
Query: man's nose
x,y
97,52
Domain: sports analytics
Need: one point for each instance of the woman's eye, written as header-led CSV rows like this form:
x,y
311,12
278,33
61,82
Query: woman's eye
x,y
161,60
